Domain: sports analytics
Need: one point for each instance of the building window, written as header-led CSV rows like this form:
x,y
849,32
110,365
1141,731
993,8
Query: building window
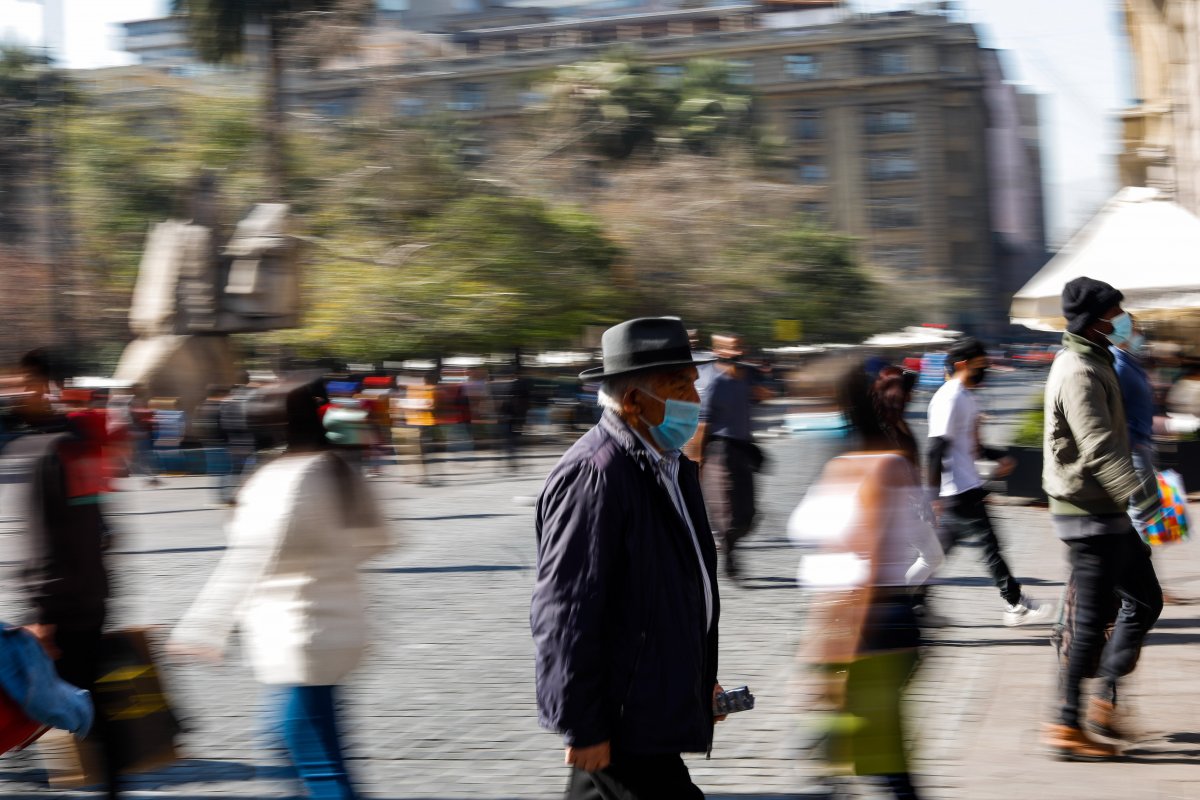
x,y
668,75
886,61
889,119
901,258
957,161
411,106
468,97
808,124
815,210
805,66
962,254
811,169
894,212
891,165
531,98
741,73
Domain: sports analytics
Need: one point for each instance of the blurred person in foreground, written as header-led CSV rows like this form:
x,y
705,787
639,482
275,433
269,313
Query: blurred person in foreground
x,y
870,545
954,446
303,525
724,448
625,607
63,575
1090,478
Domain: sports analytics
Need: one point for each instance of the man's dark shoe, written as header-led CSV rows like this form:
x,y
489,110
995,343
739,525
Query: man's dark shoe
x,y
733,570
1072,744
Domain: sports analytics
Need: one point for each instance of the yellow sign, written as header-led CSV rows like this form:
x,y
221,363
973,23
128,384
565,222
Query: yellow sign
x,y
788,330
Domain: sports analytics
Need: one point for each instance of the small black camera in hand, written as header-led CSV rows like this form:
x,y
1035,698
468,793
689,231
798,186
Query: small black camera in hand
x,y
733,701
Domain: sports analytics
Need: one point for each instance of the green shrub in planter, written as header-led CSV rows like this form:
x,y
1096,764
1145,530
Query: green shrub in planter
x,y
1031,428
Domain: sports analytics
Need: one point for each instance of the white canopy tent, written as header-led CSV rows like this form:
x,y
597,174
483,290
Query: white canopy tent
x,y
1142,243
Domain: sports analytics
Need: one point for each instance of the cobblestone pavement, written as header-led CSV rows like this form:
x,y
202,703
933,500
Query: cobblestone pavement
x,y
443,705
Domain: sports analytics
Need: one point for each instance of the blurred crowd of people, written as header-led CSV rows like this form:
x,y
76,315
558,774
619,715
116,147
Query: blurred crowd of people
x,y
631,526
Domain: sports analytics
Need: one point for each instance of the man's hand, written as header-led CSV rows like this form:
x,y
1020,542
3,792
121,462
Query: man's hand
x,y
1004,467
45,636
716,691
590,759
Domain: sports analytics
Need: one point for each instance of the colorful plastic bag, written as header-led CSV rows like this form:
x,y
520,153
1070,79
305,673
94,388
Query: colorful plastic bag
x,y
1172,525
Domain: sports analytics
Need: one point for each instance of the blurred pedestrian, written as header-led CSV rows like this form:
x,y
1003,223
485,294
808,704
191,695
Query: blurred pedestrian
x,y
961,506
1138,396
625,607
63,574
239,439
515,398
869,546
1090,478
303,525
208,428
724,448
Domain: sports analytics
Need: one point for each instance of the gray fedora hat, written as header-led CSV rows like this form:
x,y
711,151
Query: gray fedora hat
x,y
641,344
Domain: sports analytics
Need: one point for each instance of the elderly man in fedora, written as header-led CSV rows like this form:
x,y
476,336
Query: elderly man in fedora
x,y
625,608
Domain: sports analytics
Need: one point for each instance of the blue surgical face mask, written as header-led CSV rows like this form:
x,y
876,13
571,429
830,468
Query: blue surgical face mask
x,y
1137,344
1122,329
680,420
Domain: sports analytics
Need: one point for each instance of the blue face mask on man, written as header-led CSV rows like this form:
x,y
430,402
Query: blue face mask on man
x,y
1122,329
680,420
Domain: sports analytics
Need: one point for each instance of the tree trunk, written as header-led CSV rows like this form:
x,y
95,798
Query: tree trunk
x,y
273,126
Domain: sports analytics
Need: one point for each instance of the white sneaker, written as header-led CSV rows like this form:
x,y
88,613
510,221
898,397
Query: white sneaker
x,y
1029,611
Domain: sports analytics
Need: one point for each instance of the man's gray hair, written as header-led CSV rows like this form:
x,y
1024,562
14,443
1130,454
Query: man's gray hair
x,y
614,389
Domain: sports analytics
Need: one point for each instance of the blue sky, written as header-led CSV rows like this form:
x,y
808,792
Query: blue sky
x,y
1070,51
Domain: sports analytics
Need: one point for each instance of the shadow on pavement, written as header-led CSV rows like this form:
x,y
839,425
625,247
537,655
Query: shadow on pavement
x,y
448,517
460,568
985,581
202,770
212,549
1030,641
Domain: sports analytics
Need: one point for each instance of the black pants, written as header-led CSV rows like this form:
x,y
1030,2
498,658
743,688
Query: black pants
x,y
1100,566
965,516
635,777
728,484
79,664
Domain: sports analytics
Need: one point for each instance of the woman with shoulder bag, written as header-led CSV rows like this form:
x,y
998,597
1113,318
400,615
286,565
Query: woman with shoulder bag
x,y
869,542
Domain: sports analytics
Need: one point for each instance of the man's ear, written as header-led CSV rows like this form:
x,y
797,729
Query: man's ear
x,y
629,402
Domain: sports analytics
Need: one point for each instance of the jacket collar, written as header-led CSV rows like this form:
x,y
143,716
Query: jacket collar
x,y
1087,348
1127,358
625,438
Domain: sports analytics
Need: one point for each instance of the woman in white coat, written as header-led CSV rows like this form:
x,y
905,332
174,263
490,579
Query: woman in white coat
x,y
289,580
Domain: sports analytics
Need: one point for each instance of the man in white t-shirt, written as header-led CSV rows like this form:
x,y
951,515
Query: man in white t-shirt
x,y
961,505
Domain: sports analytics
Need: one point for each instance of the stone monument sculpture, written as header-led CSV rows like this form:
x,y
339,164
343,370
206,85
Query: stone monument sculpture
x,y
191,295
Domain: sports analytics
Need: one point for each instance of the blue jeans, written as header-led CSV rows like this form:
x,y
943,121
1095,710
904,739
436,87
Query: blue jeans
x,y
311,735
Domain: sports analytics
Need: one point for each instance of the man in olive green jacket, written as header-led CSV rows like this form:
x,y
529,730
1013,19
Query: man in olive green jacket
x,y
1089,477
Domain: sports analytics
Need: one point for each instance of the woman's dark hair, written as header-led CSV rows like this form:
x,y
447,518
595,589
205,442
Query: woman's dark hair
x,y
305,430
290,412
874,407
856,400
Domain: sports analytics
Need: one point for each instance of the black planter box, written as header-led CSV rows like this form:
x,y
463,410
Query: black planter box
x,y
1183,457
1026,478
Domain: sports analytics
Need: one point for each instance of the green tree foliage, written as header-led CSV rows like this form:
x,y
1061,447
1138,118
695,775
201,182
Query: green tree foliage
x,y
621,106
485,273
217,31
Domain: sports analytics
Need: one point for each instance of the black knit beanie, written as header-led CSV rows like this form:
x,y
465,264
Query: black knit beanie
x,y
1084,300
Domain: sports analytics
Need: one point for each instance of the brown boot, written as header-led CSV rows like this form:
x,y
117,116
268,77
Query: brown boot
x,y
1102,720
1072,744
